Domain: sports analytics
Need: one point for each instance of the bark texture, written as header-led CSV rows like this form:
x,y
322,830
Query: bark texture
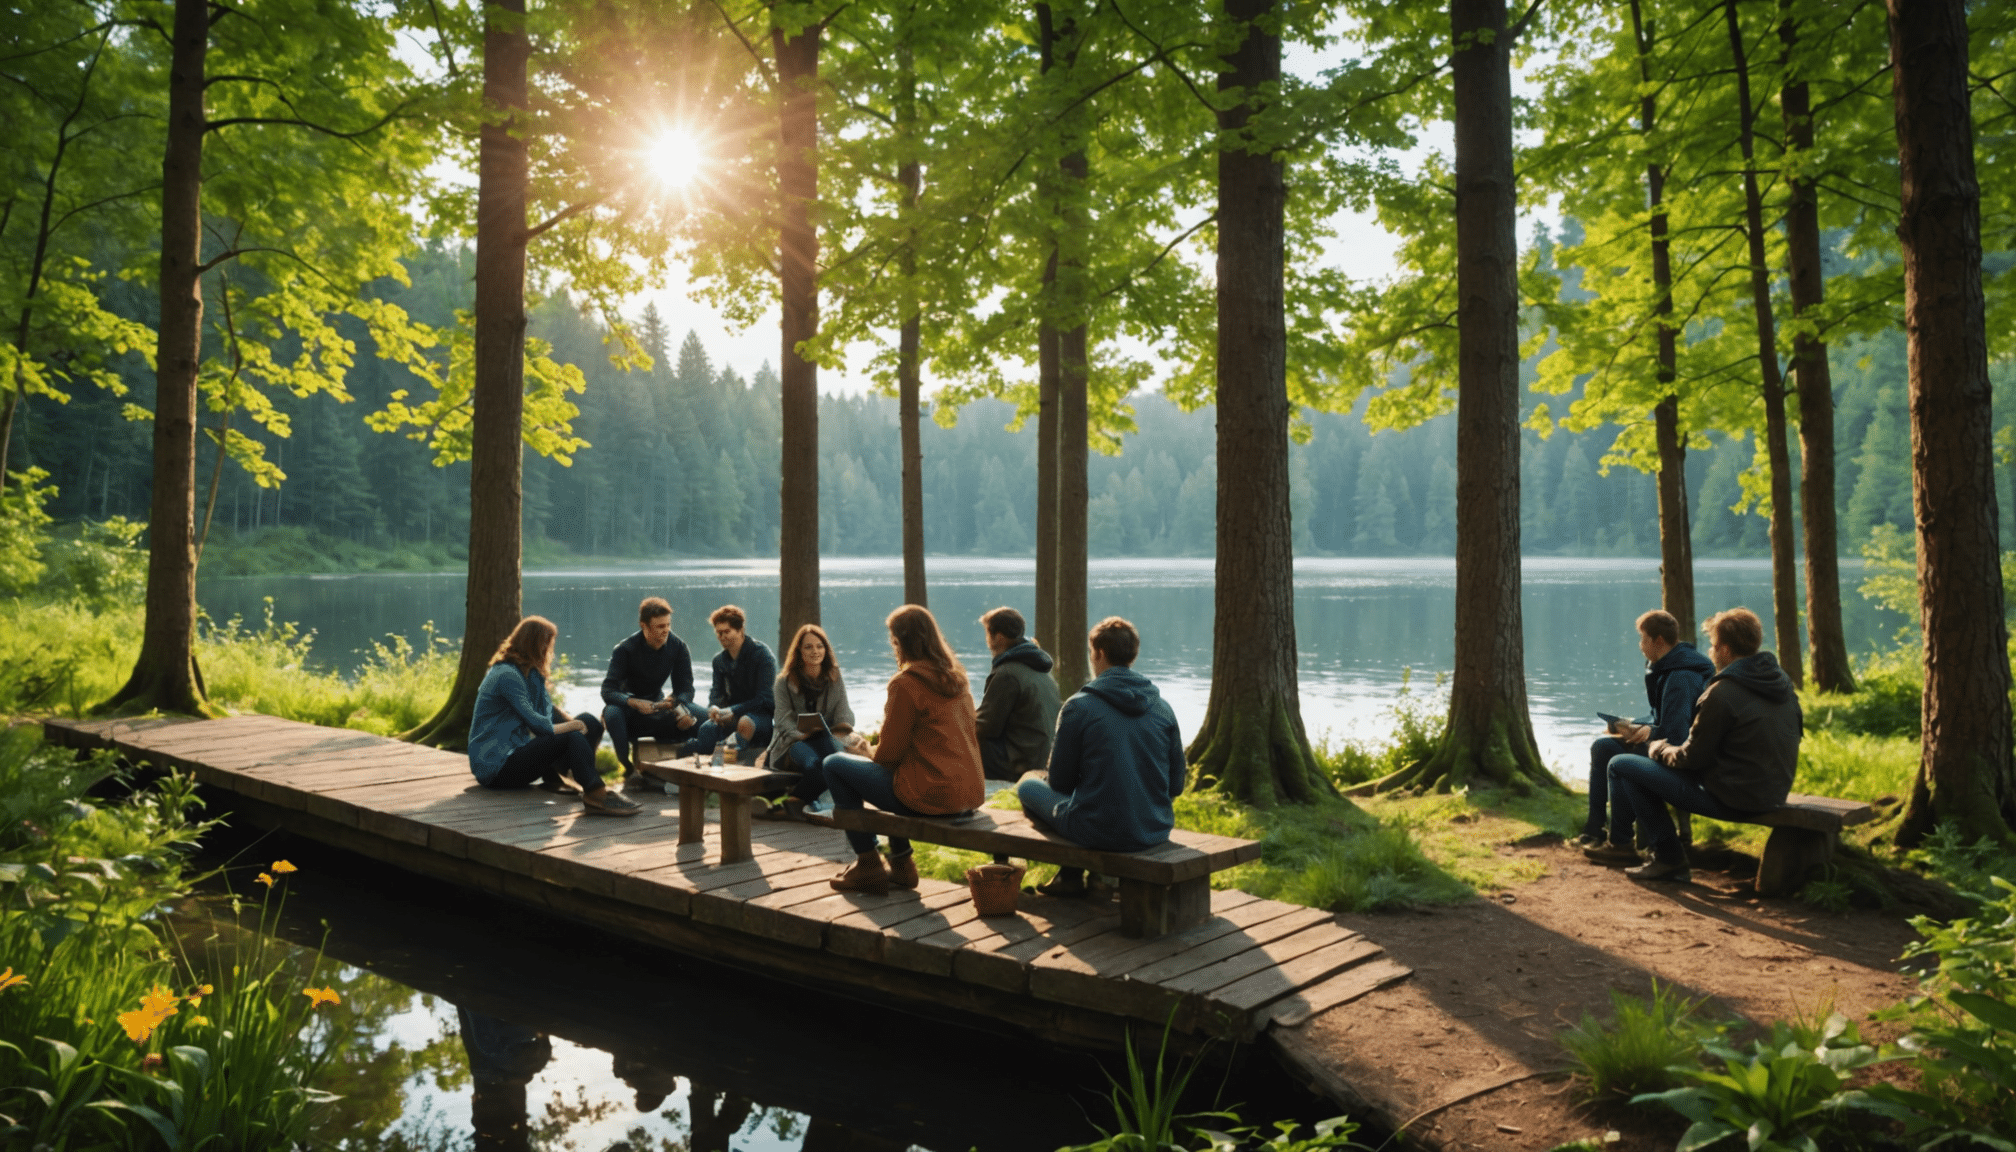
x,y
165,676
1676,539
1074,495
1964,774
1489,740
492,604
910,175
1824,633
798,282
1046,477
1784,562
1251,742
1064,364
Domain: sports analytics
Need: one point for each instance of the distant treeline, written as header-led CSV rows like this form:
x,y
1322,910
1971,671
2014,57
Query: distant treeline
x,y
683,459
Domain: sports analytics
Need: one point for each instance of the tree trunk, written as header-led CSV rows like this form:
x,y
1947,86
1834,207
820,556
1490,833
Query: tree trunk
x,y
496,459
1046,473
1964,773
1074,664
1784,562
165,677
1489,738
1676,540
910,175
1251,742
1829,642
798,283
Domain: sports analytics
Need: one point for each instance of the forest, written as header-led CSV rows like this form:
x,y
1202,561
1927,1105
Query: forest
x,y
698,441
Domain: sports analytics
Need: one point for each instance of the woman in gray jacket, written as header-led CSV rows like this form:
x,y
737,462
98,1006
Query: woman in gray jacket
x,y
809,683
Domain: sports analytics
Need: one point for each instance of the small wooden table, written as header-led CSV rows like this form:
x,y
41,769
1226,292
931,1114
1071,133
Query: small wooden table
x,y
696,778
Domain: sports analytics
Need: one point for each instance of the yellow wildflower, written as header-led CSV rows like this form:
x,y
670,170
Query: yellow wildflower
x,y
282,867
139,1025
8,980
200,1021
265,879
317,997
204,989
160,1001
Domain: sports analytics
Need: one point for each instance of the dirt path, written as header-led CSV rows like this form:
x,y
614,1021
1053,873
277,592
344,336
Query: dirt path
x,y
1496,980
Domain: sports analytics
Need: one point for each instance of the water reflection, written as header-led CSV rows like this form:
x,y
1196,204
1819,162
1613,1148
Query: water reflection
x,y
472,1023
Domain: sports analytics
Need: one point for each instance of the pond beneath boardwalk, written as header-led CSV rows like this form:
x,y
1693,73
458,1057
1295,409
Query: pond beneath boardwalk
x,y
1361,624
473,1023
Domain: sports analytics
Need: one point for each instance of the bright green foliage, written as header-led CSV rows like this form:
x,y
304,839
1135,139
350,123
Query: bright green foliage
x,y
1323,855
1639,1049
80,883
22,522
1787,1093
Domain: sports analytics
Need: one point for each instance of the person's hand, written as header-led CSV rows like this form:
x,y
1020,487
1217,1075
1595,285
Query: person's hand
x,y
857,744
686,722
638,703
1636,733
569,726
720,715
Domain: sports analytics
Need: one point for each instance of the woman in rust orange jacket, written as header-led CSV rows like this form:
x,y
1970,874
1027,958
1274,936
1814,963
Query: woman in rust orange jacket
x,y
927,762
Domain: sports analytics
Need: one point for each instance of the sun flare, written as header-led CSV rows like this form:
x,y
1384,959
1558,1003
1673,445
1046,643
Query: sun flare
x,y
672,158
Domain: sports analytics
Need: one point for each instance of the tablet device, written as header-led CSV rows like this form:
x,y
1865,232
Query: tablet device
x,y
811,724
1615,722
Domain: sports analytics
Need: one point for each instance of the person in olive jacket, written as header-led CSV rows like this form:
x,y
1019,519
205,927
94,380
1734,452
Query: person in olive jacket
x,y
1018,706
1739,757
1117,764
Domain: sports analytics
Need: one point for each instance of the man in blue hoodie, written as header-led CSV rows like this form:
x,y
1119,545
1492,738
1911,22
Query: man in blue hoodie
x,y
1738,760
1117,762
1018,707
1675,674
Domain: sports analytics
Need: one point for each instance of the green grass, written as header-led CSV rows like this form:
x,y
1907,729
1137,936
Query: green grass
x,y
1635,1051
226,1057
63,657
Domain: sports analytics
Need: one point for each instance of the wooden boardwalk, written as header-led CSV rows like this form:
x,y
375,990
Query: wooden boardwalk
x,y
1059,969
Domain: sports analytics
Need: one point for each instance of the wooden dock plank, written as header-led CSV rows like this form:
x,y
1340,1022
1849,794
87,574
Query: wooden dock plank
x,y
1255,964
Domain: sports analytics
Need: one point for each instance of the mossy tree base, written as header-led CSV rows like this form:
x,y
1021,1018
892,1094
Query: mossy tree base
x,y
1256,752
172,686
448,728
1495,751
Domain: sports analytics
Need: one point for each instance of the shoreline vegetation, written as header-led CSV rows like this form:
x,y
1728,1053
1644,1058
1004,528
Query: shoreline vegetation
x,y
66,639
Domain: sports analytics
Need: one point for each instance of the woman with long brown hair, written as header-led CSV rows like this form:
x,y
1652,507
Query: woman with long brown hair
x,y
517,737
810,686
927,762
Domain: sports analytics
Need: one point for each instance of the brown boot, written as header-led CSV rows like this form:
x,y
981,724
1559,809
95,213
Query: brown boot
x,y
903,870
866,874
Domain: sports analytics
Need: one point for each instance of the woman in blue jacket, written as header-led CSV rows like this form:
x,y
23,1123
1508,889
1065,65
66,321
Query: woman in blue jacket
x,y
517,736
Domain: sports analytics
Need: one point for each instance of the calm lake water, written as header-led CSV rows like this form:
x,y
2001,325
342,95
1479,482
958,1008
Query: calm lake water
x,y
1362,624
471,1024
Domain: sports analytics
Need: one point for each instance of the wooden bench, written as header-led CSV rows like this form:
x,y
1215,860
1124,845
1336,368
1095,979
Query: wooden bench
x,y
695,777
1162,890
1805,830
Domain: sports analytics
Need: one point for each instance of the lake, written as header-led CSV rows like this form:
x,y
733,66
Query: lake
x,y
1363,625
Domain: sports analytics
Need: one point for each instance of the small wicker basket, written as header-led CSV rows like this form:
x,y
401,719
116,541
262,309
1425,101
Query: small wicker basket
x,y
995,888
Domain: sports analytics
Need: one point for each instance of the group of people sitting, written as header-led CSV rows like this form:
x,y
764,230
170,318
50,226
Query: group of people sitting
x,y
1100,769
1722,741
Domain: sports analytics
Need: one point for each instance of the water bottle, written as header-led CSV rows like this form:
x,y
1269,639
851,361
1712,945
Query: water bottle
x,y
717,755
735,748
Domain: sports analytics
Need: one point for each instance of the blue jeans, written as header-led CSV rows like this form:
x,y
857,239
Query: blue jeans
x,y
1040,800
709,734
1641,788
857,782
1604,750
807,756
626,725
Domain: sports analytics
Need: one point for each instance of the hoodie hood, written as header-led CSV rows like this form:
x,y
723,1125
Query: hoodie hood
x,y
1125,689
1025,652
1761,675
1684,657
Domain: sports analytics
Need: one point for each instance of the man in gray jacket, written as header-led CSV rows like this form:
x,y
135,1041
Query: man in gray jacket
x,y
1739,756
1018,707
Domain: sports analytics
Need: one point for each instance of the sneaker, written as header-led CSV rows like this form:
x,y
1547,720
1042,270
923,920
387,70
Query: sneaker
x,y
610,803
1678,873
1613,854
1065,888
866,874
639,782
1589,840
557,787
903,870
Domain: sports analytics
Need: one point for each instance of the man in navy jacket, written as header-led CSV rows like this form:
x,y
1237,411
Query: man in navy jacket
x,y
1117,763
1676,674
633,693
